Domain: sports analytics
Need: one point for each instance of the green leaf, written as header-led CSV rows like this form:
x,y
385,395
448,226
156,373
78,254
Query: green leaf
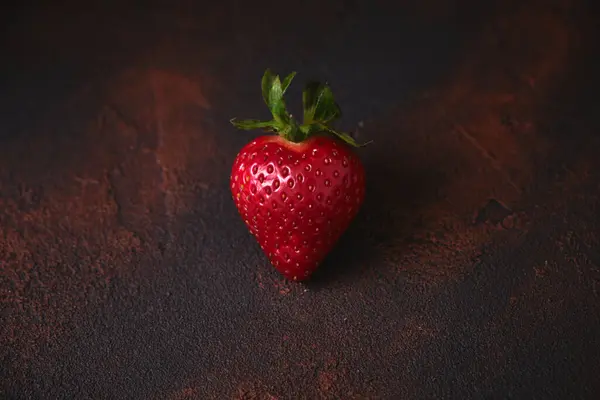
x,y
272,90
277,105
309,129
286,82
266,84
319,104
291,132
320,109
251,124
343,136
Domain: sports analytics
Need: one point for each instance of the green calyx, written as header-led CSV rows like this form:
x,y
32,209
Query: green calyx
x,y
320,110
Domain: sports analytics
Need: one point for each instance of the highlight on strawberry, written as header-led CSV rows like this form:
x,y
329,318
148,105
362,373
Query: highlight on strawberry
x,y
298,188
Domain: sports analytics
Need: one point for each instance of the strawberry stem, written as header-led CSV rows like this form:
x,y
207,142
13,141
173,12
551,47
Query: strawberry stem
x,y
320,109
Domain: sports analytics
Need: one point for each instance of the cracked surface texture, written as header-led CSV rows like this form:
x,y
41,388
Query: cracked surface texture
x,y
472,271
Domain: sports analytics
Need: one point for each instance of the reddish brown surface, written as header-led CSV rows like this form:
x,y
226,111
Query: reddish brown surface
x,y
127,273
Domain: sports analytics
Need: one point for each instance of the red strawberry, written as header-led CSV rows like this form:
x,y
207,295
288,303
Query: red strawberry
x,y
299,190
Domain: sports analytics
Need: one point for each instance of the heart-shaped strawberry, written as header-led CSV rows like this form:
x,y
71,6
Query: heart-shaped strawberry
x,y
299,190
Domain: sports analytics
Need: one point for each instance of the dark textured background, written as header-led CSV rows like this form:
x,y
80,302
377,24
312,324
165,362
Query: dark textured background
x,y
473,270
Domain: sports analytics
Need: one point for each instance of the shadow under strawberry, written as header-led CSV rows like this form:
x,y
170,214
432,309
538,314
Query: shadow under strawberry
x,y
396,192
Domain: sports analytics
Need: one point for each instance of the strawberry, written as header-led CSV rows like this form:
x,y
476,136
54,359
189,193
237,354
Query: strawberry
x,y
297,190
